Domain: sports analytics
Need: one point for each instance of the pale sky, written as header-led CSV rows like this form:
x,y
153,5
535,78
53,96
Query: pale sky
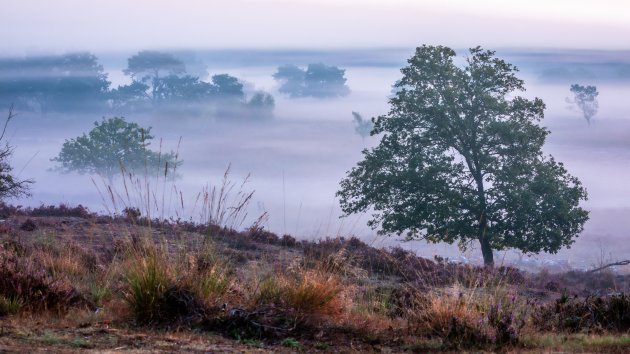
x,y
32,26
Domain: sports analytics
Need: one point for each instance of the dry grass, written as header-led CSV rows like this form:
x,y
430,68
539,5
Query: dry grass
x,y
126,274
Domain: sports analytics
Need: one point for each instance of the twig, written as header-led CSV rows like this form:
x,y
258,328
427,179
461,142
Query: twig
x,y
6,123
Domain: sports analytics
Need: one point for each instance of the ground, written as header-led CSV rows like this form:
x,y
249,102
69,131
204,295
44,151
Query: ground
x,y
225,291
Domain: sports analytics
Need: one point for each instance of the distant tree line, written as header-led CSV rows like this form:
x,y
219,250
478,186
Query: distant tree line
x,y
77,82
317,80
53,83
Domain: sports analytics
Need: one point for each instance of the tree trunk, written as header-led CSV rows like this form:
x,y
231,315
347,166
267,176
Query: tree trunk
x,y
482,234
486,251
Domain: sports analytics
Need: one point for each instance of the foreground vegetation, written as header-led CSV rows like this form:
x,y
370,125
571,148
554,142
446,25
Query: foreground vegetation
x,y
73,280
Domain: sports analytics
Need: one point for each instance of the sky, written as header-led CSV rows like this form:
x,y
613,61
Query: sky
x,y
44,26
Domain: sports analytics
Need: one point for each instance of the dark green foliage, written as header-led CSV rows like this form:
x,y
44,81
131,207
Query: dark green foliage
x,y
585,98
461,160
112,146
129,98
318,80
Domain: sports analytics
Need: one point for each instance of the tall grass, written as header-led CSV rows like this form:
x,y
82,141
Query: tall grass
x,y
148,279
9,305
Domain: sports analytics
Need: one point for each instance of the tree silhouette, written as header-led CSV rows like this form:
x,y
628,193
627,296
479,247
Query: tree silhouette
x,y
585,98
363,127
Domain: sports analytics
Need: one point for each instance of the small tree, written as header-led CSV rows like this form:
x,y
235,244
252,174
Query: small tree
x,y
363,127
114,145
585,98
461,160
10,185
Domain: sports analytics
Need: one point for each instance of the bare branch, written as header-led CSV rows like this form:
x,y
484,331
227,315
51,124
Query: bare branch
x,y
620,263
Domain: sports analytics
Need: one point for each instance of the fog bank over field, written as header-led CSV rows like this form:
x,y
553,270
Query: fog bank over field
x,y
297,158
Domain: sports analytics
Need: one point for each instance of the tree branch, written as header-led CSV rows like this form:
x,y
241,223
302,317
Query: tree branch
x,y
620,263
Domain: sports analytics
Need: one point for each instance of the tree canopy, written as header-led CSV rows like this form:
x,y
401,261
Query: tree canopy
x,y
149,65
460,160
114,145
162,80
159,80
318,80
585,98
68,82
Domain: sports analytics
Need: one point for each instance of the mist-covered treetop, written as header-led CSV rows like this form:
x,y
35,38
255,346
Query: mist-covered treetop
x,y
317,80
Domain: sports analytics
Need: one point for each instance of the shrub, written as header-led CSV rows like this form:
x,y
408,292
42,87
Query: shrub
x,y
25,277
590,314
313,294
506,322
9,306
452,319
148,280
469,318
290,343
164,288
62,210
269,291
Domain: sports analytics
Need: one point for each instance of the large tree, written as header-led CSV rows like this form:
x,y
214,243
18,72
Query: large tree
x,y
114,146
460,159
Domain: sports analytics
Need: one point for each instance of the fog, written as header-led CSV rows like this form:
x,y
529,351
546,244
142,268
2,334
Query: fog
x,y
296,159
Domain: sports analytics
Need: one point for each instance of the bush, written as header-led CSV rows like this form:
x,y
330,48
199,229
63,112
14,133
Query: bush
x,y
148,280
61,210
590,314
9,306
25,277
164,289
452,319
313,294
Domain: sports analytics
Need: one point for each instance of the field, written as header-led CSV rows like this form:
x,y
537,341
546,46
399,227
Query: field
x,y
74,281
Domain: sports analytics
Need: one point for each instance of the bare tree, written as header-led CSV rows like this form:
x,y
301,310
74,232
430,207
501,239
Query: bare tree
x,y
10,185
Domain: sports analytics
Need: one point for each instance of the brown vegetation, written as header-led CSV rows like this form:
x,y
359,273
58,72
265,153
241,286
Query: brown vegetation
x,y
262,290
